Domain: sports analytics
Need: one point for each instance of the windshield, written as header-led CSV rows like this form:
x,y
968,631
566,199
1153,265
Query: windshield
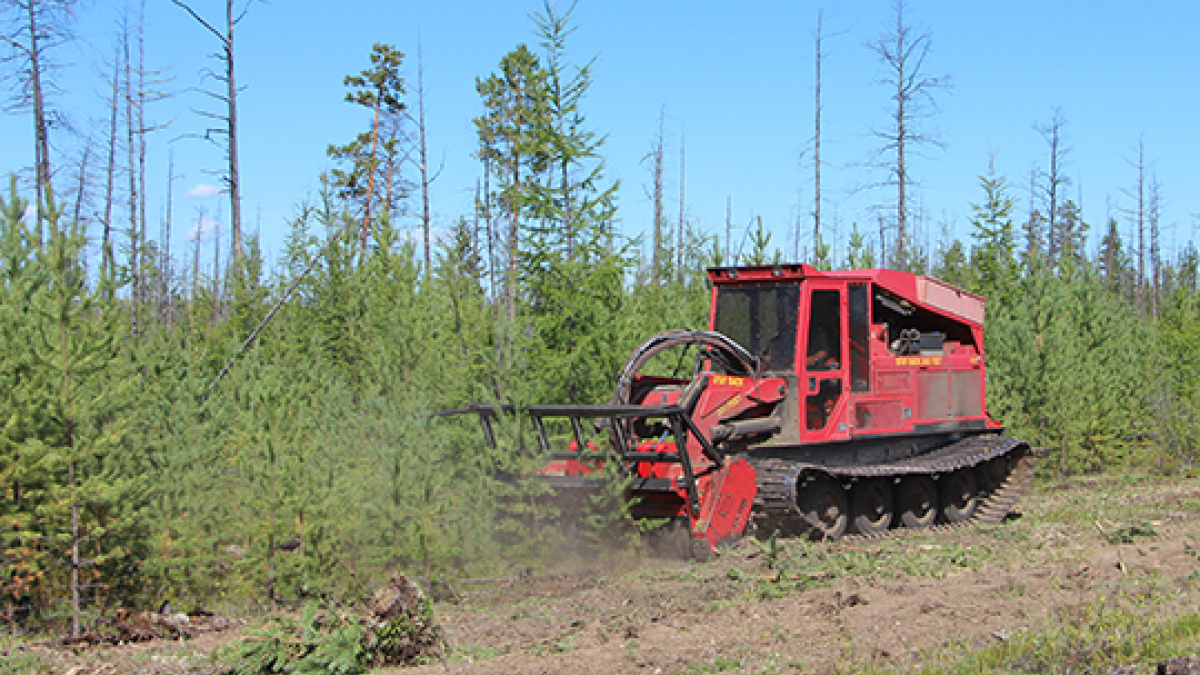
x,y
762,319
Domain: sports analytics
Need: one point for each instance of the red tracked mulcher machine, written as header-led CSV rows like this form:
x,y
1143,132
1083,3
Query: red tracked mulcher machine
x,y
819,404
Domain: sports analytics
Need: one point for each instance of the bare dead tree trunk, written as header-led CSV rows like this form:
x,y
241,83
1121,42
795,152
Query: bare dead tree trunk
x,y
216,280
818,109
514,222
1056,180
426,217
903,54
729,260
1138,193
476,251
1033,176
82,180
135,281
233,179
798,226
882,241
682,210
1141,229
514,219
901,182
388,196
41,134
106,249
196,255
136,100
1108,245
141,141
485,205
165,309
1033,238
38,26
1153,215
656,159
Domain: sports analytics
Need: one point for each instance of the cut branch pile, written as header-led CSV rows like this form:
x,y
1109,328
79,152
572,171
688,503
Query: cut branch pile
x,y
398,629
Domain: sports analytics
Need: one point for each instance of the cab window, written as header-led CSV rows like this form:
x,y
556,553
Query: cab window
x,y
763,320
824,331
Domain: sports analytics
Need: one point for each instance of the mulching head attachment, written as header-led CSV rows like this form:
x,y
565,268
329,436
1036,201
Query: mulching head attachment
x,y
668,472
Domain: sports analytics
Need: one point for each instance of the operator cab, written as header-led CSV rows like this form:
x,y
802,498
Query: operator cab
x,y
863,352
761,318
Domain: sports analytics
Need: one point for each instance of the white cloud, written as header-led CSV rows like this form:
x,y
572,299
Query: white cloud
x,y
202,191
30,212
204,229
417,235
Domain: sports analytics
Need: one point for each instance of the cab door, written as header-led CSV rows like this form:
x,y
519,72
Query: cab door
x,y
823,368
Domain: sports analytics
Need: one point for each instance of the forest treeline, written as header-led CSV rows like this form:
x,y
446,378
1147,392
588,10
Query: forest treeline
x,y
133,472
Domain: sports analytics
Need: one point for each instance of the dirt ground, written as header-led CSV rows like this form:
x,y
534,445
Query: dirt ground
x,y
157,657
889,601
800,607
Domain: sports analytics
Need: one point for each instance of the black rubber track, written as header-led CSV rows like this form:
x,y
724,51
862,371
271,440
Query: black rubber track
x,y
775,506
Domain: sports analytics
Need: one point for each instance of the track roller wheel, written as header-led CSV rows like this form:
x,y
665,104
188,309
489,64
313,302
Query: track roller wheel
x,y
822,504
871,506
960,495
918,501
991,474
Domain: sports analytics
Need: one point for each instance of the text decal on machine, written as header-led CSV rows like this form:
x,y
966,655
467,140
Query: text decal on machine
x,y
726,380
919,361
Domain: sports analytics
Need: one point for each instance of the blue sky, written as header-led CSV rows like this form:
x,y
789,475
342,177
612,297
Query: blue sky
x,y
734,79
